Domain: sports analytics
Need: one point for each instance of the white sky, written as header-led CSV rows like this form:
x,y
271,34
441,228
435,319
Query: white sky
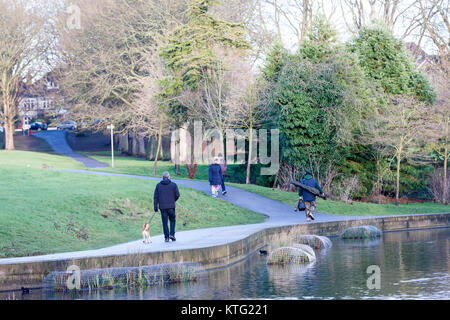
x,y
333,10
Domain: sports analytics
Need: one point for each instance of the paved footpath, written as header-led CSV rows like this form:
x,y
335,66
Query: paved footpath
x,y
57,140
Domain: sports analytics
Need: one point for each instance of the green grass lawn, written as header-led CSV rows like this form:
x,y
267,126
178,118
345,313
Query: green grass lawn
x,y
22,160
142,167
45,211
354,209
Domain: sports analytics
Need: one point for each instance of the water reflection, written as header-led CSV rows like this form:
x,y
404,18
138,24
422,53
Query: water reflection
x,y
414,265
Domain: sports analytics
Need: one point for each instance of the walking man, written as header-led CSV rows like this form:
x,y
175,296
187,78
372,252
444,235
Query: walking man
x,y
223,166
215,177
308,197
165,196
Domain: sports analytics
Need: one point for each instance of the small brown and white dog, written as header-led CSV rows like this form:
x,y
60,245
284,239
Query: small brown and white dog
x,y
146,233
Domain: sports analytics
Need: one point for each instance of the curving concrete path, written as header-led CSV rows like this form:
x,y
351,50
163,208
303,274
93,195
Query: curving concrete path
x,y
57,140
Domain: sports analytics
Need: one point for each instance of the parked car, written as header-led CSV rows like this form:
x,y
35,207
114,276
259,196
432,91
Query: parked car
x,y
96,122
68,124
38,125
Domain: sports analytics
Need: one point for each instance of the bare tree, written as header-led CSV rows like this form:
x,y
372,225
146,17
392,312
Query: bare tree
x,y
111,68
383,168
252,14
293,15
436,32
209,102
26,41
398,128
249,102
439,132
358,13
399,15
104,63
149,109
435,24
436,186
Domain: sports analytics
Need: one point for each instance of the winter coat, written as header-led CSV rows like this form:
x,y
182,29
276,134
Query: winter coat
x,y
166,194
215,174
311,182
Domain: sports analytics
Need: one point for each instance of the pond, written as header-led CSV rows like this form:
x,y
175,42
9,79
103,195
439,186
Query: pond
x,y
412,265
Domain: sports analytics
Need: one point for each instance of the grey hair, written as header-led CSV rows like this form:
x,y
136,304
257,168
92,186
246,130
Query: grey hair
x,y
166,175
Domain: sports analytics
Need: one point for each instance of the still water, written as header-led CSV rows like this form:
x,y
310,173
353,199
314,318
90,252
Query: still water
x,y
412,265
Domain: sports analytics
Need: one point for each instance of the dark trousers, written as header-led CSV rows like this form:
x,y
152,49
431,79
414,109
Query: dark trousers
x,y
168,214
223,183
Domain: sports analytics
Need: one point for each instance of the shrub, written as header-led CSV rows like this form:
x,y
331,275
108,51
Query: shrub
x,y
361,232
289,255
436,186
316,242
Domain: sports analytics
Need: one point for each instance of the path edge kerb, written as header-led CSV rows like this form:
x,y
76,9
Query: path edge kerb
x,y
15,276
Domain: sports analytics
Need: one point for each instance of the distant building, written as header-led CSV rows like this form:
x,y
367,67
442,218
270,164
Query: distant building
x,y
40,100
424,61
419,55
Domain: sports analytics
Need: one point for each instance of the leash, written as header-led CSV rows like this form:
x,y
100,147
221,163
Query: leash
x,y
154,213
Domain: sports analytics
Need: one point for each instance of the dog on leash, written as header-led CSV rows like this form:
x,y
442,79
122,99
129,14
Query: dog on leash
x,y
146,233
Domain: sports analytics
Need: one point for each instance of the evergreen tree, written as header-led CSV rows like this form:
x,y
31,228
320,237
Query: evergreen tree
x,y
189,51
321,41
386,62
275,60
384,59
189,54
322,93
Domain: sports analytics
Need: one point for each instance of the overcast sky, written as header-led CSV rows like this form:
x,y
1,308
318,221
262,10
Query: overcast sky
x,y
335,12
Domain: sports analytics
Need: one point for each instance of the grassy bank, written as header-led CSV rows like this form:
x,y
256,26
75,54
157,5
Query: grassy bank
x,y
142,167
45,211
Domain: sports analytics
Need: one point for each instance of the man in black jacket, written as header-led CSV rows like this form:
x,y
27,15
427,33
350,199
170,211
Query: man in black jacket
x,y
308,197
166,194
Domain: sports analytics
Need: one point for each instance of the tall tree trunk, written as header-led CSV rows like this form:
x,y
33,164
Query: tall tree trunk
x,y
9,112
192,166
277,19
9,134
250,155
378,189
278,173
192,170
276,180
305,20
158,149
397,186
445,183
130,143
